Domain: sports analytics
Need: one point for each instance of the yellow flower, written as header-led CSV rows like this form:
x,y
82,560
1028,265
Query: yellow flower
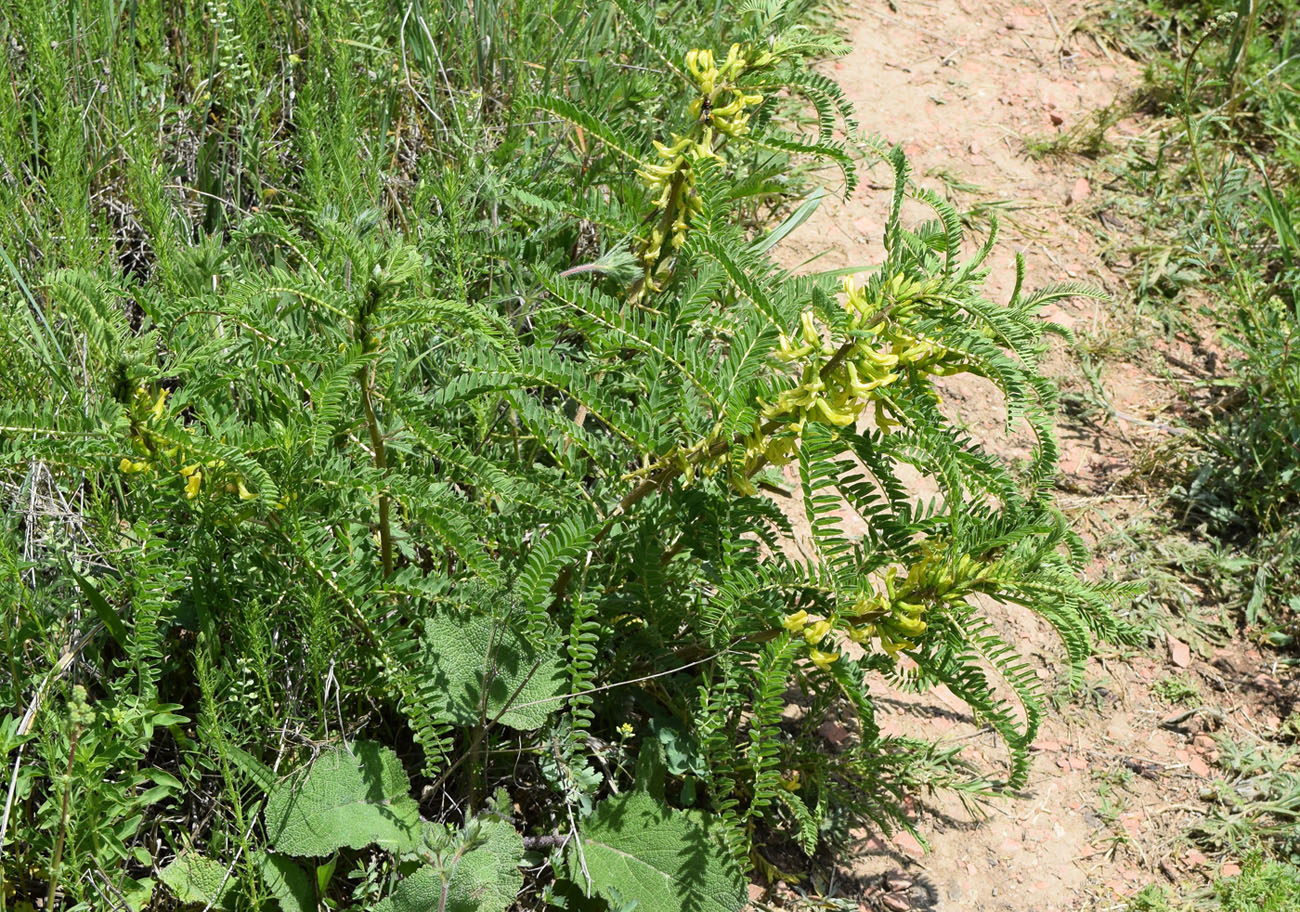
x,y
193,476
794,622
821,659
625,730
862,634
160,405
790,780
244,493
127,467
813,633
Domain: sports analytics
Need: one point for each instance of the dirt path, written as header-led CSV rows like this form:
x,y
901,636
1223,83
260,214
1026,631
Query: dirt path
x,y
965,87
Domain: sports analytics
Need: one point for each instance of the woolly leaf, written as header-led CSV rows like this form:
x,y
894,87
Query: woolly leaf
x,y
351,797
199,881
664,859
463,652
288,883
485,878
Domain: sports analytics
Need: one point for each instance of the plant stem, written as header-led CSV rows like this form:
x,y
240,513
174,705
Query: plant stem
x,y
63,822
381,463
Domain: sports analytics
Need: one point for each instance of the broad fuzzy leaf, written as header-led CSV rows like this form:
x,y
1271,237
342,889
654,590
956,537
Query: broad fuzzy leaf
x,y
463,652
485,878
352,796
199,881
665,859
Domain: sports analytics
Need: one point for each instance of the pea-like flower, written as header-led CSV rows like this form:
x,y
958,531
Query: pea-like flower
x,y
821,659
813,633
795,622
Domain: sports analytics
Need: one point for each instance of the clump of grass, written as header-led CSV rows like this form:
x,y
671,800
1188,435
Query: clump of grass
x,y
1177,689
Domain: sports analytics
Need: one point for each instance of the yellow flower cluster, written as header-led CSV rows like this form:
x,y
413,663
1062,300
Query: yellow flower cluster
x,y
721,104
888,617
148,414
885,351
674,178
814,633
894,616
720,109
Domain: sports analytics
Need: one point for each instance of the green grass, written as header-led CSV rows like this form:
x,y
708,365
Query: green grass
x,y
1262,886
1215,191
1212,190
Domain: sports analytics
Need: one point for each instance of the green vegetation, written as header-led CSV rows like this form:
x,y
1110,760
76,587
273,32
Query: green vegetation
x,y
391,525
1216,191
1262,886
1219,262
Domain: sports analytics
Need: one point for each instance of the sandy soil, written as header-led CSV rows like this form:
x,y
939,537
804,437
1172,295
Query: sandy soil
x,y
964,86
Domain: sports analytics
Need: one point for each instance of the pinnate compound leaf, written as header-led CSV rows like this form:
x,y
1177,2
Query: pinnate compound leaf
x,y
351,796
199,881
663,858
462,651
486,878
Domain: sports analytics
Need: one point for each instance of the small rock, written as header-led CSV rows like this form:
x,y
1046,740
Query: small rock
x,y
1080,191
833,732
1203,742
1078,763
1198,766
1230,870
1179,652
1017,24
909,844
755,892
1056,119
974,148
1195,859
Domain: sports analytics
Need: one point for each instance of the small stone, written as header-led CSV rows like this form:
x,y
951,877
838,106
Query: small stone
x,y
1009,847
1078,763
1017,24
1056,119
1198,766
1230,870
833,732
756,892
909,844
1179,652
1080,191
1195,859
974,148
1203,742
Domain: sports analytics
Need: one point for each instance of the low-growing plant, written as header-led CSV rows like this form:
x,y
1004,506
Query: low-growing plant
x,y
413,537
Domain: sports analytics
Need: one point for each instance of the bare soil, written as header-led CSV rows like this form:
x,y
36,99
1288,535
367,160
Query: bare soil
x,y
966,88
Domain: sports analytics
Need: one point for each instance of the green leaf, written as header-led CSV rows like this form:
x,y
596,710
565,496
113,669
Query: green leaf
x,y
461,652
112,623
288,883
665,859
485,878
199,881
352,797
